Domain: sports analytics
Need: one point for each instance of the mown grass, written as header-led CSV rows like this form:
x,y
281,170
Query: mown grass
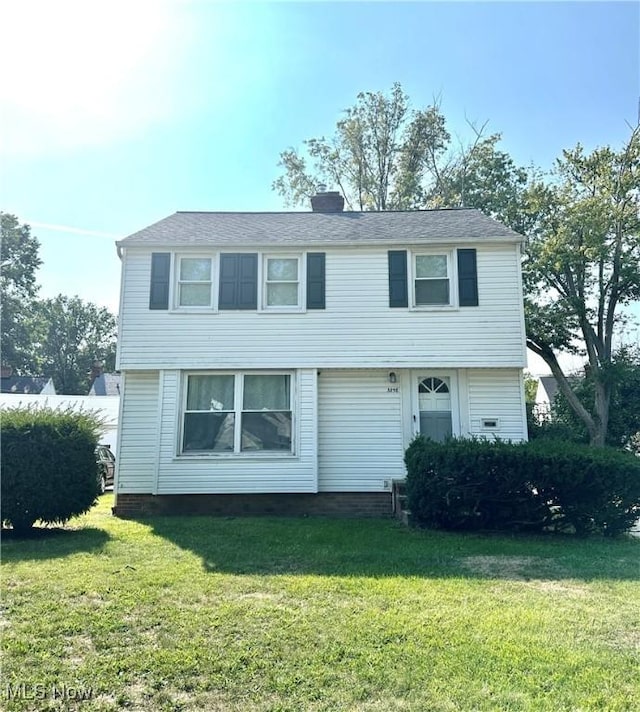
x,y
177,613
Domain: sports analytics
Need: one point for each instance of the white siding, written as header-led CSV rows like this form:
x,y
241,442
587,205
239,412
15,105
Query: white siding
x,y
237,473
497,393
138,434
358,329
360,431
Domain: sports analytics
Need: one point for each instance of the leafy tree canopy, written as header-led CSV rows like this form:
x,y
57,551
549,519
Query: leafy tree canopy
x,y
72,335
19,261
58,337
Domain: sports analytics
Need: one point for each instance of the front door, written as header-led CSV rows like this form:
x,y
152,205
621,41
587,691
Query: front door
x,y
434,407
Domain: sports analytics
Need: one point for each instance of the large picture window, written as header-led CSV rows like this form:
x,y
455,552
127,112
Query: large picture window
x,y
237,413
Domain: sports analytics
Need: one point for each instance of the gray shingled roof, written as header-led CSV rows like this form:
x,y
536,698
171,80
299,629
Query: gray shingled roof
x,y
23,384
550,386
106,384
254,229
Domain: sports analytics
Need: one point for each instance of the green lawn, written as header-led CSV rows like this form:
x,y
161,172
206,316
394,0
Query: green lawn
x,y
308,614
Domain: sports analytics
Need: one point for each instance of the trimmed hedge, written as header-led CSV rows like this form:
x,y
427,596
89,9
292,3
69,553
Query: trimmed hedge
x,y
49,469
539,486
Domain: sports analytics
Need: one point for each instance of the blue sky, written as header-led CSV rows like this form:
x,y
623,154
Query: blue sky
x,y
116,114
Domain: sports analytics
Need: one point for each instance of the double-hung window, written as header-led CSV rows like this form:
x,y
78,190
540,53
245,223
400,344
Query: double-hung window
x,y
281,282
195,281
266,415
432,280
209,416
237,413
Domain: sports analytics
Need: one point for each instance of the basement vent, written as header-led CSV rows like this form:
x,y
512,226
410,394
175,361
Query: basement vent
x,y
490,424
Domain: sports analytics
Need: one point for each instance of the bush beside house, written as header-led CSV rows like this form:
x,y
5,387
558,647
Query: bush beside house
x,y
538,486
49,470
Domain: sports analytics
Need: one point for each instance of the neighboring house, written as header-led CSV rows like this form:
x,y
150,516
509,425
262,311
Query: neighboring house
x,y
284,361
37,385
545,395
106,384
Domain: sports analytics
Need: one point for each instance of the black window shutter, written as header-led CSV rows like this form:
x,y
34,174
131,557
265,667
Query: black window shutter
x,y
238,281
398,291
160,275
248,281
228,290
315,280
467,278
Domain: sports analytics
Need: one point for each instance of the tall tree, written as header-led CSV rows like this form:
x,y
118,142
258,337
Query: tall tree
x,y
582,266
74,334
19,261
377,156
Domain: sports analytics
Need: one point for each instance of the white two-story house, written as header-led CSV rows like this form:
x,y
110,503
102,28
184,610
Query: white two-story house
x,y
282,362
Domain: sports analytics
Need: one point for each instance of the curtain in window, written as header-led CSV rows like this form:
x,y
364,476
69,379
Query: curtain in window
x,y
209,423
266,393
210,393
266,417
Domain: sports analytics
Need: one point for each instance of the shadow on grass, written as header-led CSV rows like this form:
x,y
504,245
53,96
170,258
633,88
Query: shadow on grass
x,y
51,543
384,548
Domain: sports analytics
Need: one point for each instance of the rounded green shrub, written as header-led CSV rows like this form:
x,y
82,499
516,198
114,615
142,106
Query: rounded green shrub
x,y
544,485
49,469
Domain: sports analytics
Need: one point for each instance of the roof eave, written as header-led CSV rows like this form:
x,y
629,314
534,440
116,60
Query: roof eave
x,y
410,242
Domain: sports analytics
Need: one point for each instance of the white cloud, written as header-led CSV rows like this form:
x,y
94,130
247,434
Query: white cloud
x,y
81,72
72,230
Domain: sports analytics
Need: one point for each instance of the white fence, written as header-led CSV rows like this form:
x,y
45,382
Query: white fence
x,y
107,406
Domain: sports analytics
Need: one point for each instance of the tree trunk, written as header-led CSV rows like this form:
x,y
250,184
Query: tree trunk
x,y
602,401
596,434
22,526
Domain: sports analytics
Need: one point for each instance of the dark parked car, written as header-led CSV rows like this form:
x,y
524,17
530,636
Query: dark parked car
x,y
106,466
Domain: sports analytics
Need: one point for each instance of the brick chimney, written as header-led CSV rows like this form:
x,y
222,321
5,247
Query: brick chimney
x,y
327,201
96,370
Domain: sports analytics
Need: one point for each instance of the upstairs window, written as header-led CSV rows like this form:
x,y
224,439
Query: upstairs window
x,y
431,280
194,282
282,282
